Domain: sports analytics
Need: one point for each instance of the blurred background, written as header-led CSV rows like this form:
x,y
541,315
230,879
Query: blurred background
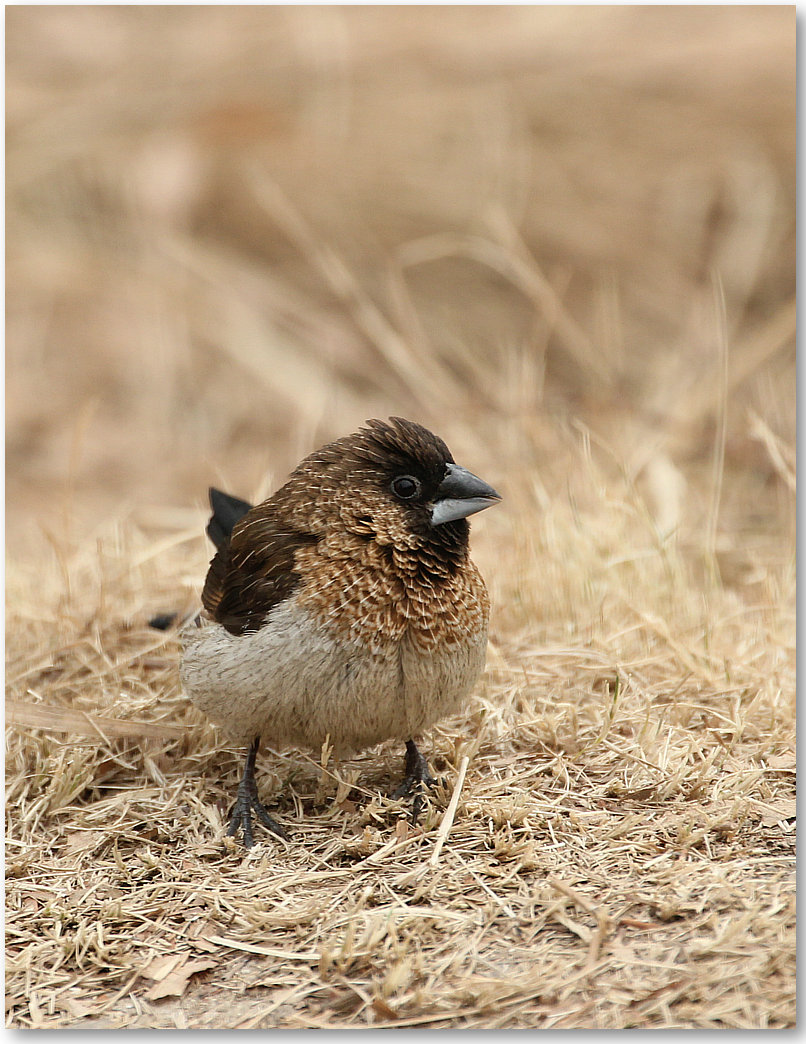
x,y
234,233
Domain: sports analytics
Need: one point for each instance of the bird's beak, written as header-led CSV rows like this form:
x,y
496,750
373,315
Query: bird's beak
x,y
461,494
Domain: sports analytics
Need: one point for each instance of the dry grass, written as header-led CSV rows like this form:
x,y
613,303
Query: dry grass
x,y
566,242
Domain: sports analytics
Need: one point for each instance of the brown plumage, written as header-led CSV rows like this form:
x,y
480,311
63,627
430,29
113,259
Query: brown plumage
x,y
344,607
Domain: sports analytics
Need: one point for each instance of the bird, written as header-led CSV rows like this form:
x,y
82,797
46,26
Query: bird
x,y
344,609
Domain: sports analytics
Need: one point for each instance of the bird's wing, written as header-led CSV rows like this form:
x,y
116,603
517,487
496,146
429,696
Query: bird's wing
x,y
253,571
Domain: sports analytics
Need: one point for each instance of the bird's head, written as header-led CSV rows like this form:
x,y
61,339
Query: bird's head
x,y
397,483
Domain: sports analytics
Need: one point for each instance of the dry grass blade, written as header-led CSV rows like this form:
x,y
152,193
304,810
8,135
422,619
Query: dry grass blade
x,y
64,719
450,813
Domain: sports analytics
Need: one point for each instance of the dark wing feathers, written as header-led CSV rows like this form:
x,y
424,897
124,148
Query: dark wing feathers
x,y
252,571
227,511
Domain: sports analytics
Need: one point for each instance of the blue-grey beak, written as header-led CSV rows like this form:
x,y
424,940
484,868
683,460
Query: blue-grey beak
x,y
461,493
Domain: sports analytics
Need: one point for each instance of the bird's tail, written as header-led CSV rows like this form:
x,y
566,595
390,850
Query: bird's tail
x,y
227,510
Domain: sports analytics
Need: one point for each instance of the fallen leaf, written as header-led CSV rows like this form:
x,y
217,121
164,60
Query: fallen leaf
x,y
345,1001
785,762
380,1007
773,812
77,1009
204,945
84,840
175,983
641,794
402,830
654,994
159,967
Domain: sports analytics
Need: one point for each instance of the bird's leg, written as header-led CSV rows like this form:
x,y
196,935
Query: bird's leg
x,y
417,773
248,802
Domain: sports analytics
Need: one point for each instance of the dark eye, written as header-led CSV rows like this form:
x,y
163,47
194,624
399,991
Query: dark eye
x,y
406,487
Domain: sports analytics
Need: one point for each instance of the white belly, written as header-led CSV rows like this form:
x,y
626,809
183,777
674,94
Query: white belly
x,y
293,684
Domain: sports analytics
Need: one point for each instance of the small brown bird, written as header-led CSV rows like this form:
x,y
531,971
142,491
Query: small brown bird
x,y
344,607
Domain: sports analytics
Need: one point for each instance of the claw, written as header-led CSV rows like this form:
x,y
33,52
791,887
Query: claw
x,y
247,802
417,774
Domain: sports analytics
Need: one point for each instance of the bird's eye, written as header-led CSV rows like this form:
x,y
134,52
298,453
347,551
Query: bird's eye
x,y
406,487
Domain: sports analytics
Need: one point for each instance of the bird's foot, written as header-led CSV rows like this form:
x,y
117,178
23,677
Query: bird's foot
x,y
417,774
247,802
245,805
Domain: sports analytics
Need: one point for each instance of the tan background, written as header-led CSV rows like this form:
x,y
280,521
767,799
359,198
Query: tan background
x,y
236,233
